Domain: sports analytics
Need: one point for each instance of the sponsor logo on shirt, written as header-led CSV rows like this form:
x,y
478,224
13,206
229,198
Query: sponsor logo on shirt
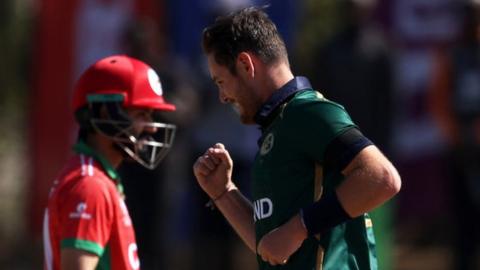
x,y
263,209
80,212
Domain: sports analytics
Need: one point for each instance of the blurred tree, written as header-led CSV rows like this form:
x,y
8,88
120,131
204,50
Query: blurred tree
x,y
345,54
454,100
318,22
15,25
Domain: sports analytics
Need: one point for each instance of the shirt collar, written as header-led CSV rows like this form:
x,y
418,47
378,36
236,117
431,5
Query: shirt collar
x,y
293,86
82,148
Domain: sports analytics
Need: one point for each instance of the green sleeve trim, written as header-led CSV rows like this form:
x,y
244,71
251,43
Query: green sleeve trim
x,y
83,245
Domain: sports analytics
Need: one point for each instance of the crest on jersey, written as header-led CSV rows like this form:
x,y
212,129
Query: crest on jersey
x,y
267,144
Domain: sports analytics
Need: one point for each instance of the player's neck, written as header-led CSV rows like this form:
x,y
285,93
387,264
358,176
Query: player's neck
x,y
278,75
104,147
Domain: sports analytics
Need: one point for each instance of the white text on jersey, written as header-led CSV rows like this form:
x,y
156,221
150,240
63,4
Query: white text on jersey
x,y
263,208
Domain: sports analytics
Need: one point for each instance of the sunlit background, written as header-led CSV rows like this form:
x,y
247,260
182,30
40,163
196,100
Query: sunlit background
x,y
408,72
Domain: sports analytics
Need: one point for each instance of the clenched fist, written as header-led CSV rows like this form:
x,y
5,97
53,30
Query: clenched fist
x,y
277,246
213,171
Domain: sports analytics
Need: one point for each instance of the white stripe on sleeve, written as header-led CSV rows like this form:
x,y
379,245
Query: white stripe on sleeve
x,y
47,245
90,166
82,161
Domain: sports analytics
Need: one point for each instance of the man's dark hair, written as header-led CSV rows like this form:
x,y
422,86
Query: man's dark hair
x,y
247,30
82,116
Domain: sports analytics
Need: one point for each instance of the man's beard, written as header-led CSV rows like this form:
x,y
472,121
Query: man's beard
x,y
133,147
119,149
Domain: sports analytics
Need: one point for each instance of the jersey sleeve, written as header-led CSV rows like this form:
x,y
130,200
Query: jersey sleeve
x,y
86,216
316,123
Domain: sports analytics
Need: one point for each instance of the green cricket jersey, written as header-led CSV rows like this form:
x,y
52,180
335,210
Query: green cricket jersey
x,y
289,174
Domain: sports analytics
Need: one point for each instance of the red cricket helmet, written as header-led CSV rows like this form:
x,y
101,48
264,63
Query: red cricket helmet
x,y
137,82
114,84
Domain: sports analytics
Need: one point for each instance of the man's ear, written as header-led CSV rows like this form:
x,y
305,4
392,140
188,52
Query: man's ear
x,y
245,64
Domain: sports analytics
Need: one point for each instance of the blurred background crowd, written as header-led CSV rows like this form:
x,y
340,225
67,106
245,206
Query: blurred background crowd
x,y
408,71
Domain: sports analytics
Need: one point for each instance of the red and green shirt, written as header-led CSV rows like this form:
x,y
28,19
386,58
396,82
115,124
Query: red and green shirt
x,y
86,211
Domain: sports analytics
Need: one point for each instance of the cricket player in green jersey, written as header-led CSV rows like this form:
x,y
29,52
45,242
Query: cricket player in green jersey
x,y
315,176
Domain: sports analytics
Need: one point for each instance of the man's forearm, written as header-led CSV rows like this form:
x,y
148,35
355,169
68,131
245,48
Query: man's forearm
x,y
238,210
76,259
